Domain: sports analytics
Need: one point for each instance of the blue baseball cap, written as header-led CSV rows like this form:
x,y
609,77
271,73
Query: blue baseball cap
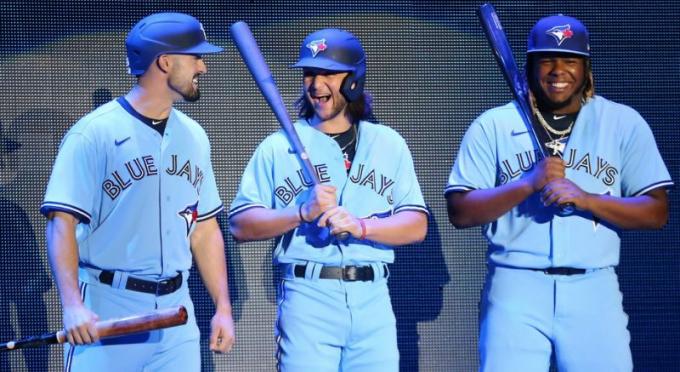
x,y
559,33
165,33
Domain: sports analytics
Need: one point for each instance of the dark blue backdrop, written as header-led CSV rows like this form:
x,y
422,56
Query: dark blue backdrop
x,y
431,73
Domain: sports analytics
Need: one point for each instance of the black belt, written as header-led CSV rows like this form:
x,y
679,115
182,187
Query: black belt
x,y
347,273
561,271
163,287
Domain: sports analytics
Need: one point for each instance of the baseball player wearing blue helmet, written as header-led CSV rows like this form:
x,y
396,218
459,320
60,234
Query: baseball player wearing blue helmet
x,y
334,309
551,285
131,199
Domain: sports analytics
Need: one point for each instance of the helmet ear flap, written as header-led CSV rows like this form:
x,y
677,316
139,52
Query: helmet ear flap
x,y
351,87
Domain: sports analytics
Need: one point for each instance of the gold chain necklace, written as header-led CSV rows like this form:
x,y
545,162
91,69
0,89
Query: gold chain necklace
x,y
550,129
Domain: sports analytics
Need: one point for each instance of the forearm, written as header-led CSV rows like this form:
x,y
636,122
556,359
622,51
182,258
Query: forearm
x,y
207,245
648,211
62,254
263,223
399,229
479,207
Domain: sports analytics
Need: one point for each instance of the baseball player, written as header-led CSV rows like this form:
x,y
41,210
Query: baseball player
x,y
551,286
131,197
334,309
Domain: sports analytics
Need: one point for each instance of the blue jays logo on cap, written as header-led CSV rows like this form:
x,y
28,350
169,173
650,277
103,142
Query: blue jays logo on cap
x,y
561,33
317,46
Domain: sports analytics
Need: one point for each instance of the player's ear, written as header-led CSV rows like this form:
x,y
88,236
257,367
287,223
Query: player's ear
x,y
163,63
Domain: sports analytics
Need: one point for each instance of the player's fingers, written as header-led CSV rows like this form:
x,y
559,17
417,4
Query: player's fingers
x,y
323,220
69,337
216,343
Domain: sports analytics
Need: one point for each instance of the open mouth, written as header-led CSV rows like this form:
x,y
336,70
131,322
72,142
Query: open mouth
x,y
324,98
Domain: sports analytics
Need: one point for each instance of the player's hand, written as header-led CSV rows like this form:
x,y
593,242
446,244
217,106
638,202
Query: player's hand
x,y
222,336
80,325
321,199
545,171
339,220
562,191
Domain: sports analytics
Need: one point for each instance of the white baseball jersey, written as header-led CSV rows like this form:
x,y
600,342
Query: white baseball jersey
x,y
381,182
137,194
611,150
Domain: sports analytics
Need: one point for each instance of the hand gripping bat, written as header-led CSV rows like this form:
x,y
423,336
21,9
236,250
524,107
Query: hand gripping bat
x,y
158,319
513,76
252,57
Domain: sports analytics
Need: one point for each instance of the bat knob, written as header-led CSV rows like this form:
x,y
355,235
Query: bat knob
x,y
343,235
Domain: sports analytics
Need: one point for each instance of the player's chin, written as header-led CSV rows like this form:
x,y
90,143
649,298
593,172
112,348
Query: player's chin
x,y
192,96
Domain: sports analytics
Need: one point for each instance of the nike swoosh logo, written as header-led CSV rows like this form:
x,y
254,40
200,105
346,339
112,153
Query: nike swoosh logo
x,y
156,122
517,132
557,117
118,143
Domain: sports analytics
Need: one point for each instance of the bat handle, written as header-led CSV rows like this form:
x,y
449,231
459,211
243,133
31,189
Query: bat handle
x,y
567,209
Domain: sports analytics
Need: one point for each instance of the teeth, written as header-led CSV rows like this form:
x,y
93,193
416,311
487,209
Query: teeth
x,y
559,85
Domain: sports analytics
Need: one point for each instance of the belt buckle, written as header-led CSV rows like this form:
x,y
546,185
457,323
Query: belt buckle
x,y
350,273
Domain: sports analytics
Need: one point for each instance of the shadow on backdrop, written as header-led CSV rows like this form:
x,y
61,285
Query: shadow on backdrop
x,y
23,279
416,283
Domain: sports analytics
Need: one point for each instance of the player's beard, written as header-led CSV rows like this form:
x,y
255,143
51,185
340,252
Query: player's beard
x,y
338,108
185,89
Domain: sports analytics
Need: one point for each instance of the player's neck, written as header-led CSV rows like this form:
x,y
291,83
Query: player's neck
x,y
149,104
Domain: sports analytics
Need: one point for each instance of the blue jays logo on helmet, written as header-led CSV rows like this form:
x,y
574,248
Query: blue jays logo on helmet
x,y
317,46
190,215
561,33
333,49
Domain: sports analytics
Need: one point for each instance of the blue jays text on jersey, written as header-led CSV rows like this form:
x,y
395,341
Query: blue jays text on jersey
x,y
137,193
514,166
140,167
293,186
379,183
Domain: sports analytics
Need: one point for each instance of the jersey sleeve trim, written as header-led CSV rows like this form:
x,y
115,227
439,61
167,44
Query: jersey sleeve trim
x,y
457,188
242,208
80,214
210,214
412,207
656,185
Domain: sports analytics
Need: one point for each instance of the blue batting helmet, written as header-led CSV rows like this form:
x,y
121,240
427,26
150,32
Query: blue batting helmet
x,y
333,49
165,33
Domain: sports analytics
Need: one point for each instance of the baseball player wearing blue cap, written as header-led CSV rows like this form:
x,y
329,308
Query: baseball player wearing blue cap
x,y
131,199
334,309
551,285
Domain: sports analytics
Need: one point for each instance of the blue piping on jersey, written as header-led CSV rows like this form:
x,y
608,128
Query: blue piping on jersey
x,y
666,183
210,214
243,208
48,206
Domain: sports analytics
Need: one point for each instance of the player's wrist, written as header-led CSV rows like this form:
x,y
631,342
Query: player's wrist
x,y
301,214
363,229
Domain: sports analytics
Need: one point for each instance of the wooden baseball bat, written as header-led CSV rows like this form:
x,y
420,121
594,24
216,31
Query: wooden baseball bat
x,y
158,319
253,58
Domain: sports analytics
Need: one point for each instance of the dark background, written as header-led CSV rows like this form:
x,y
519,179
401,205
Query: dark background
x,y
431,73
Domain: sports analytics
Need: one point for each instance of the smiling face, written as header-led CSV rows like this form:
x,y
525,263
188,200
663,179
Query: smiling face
x,y
558,81
322,90
183,75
